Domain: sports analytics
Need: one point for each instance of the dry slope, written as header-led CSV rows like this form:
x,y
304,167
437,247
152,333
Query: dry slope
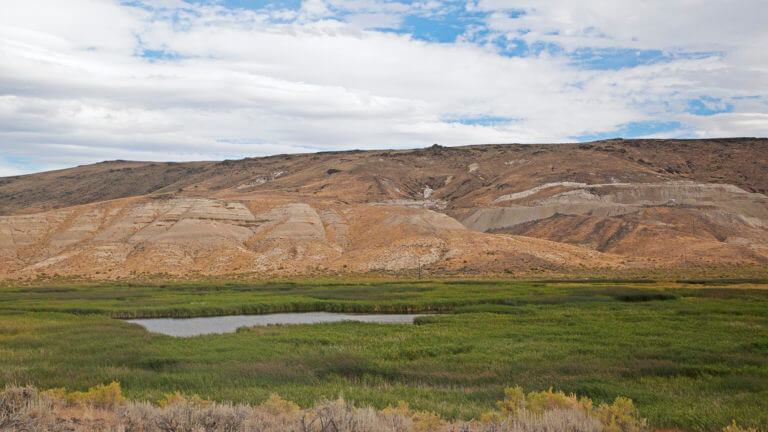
x,y
477,209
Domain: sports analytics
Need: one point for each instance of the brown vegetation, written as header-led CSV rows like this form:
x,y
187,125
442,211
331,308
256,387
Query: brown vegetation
x,y
103,408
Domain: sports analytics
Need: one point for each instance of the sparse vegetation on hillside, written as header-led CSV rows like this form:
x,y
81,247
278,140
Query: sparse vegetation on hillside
x,y
493,210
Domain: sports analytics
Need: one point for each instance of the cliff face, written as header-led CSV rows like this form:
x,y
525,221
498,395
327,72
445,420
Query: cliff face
x,y
467,210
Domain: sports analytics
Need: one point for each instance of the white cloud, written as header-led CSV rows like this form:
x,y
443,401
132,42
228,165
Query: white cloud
x,y
650,24
753,124
74,90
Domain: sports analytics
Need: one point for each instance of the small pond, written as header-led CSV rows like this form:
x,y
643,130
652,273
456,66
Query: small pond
x,y
230,323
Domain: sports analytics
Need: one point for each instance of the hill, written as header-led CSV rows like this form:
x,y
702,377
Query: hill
x,y
485,209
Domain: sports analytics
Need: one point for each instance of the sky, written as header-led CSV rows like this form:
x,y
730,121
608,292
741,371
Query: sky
x,y
84,81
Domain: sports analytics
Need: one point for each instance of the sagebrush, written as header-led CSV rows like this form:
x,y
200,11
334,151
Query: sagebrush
x,y
103,408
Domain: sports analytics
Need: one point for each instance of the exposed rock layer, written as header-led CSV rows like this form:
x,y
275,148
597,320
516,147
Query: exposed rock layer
x,y
479,209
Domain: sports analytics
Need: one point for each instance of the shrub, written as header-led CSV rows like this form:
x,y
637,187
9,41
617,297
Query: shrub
x,y
423,421
171,398
549,400
538,402
24,409
276,405
138,417
58,394
733,427
621,416
100,396
555,420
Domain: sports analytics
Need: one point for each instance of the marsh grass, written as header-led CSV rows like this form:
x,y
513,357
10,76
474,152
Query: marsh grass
x,y
185,300
696,361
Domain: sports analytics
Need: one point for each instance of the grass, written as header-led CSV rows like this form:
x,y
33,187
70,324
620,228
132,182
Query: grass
x,y
183,300
691,356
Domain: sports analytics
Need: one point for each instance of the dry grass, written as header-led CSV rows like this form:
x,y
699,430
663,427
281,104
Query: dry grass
x,y
103,408
23,408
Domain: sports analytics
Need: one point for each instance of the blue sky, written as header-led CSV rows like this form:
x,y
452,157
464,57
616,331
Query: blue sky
x,y
204,79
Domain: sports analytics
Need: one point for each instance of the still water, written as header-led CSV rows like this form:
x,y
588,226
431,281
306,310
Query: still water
x,y
230,323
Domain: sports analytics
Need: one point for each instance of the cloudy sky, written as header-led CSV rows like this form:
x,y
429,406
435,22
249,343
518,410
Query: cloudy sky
x,y
83,81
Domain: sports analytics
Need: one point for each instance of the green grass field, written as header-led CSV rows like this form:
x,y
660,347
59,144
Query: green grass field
x,y
691,355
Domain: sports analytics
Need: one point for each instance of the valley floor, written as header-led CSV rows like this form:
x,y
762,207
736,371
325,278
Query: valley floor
x,y
690,354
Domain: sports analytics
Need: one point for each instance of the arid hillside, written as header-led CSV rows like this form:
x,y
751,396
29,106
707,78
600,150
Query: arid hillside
x,y
485,209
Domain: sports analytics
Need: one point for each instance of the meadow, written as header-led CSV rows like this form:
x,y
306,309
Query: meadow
x,y
691,354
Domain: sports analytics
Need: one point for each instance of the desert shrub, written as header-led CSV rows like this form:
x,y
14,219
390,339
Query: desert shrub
x,y
538,402
224,417
733,427
514,400
179,413
58,394
138,417
423,421
171,398
14,400
555,420
427,421
275,405
178,417
99,396
621,416
342,416
549,400
24,408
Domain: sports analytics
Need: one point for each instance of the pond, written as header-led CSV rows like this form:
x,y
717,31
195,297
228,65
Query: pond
x,y
230,323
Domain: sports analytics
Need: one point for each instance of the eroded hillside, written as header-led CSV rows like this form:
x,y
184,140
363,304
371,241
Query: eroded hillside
x,y
467,210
